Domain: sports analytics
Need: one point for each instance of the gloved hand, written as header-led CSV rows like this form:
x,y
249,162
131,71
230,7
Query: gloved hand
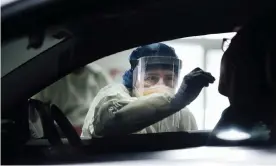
x,y
191,86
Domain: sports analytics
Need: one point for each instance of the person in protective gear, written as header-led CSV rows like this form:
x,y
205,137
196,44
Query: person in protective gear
x,y
148,100
74,93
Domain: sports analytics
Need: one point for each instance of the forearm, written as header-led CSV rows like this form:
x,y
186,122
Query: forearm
x,y
133,116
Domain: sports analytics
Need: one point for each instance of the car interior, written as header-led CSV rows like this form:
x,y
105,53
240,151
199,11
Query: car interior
x,y
78,32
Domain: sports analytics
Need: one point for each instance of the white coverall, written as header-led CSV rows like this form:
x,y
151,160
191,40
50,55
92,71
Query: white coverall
x,y
74,93
116,96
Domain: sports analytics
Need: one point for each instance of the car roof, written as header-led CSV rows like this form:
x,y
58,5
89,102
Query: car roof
x,y
99,28
194,17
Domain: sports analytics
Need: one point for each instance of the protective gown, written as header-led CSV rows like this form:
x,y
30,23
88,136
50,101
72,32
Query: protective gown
x,y
74,93
114,112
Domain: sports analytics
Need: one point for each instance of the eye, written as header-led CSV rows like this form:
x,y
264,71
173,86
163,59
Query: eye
x,y
151,80
170,80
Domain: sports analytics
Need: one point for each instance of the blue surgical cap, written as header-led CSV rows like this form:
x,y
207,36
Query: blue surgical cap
x,y
156,49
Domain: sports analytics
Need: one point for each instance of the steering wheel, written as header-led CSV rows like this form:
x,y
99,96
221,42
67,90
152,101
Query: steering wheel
x,y
65,126
50,113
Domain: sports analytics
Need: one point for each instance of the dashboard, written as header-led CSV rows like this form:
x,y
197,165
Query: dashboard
x,y
193,157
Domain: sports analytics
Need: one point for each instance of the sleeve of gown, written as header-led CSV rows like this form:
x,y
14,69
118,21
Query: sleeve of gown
x,y
115,112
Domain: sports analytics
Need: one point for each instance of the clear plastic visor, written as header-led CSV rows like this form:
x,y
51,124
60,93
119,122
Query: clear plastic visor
x,y
156,74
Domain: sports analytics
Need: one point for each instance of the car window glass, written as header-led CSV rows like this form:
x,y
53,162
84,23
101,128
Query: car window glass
x,y
17,53
75,93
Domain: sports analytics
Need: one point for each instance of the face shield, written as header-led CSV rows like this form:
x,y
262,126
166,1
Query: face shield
x,y
156,74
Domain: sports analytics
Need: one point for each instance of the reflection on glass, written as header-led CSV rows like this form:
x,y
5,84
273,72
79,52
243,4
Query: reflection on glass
x,y
233,135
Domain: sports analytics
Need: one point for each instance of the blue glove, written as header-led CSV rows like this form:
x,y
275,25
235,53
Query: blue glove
x,y
190,88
